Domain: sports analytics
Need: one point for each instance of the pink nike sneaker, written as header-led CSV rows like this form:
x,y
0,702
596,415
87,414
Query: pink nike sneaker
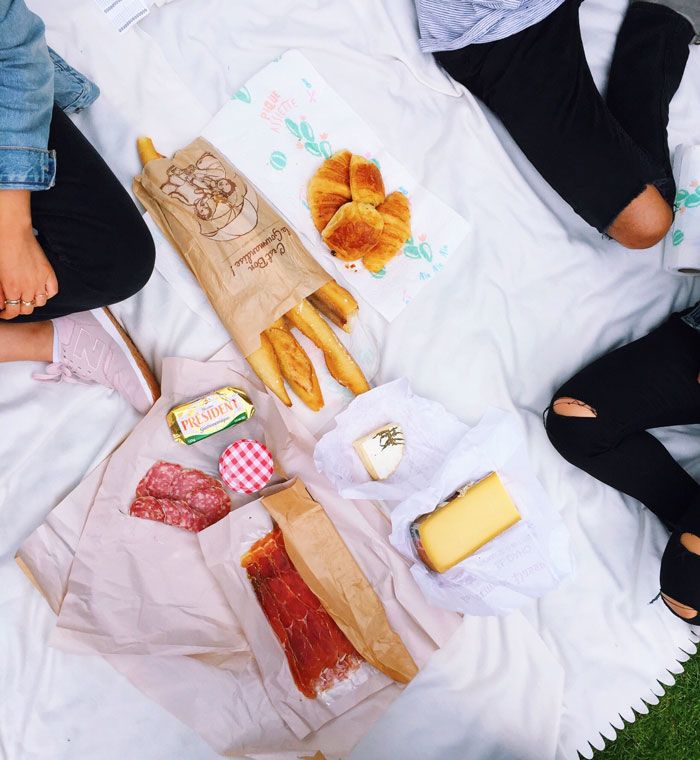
x,y
91,347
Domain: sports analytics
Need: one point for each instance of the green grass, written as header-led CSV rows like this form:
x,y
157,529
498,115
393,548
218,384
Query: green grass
x,y
671,729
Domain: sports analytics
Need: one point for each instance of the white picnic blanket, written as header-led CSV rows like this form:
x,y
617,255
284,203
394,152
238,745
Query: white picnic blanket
x,y
526,302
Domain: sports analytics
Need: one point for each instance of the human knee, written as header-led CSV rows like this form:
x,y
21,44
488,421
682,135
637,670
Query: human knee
x,y
569,435
678,574
644,222
566,406
133,261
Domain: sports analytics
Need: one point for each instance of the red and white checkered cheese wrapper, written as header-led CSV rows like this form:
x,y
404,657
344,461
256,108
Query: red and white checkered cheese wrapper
x,y
246,466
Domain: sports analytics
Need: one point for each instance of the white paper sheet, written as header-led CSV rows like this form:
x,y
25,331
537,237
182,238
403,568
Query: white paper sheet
x,y
526,562
429,433
278,128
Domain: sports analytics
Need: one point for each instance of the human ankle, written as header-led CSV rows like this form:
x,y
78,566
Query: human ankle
x,y
26,341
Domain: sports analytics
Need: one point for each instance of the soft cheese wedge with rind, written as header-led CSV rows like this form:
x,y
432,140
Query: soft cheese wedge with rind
x,y
381,450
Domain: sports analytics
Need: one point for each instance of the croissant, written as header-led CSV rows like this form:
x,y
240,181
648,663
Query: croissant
x,y
366,183
329,188
396,215
353,231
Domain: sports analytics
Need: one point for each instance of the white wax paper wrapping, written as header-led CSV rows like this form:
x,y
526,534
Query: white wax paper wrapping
x,y
280,126
223,546
527,560
682,244
430,432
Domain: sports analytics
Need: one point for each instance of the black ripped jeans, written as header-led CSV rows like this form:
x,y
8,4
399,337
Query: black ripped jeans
x,y
92,233
649,383
598,152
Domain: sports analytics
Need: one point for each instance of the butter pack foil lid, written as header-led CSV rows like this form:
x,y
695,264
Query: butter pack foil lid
x,y
219,410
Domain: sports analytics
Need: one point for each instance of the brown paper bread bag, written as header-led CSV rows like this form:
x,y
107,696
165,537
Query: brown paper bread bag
x,y
328,568
246,257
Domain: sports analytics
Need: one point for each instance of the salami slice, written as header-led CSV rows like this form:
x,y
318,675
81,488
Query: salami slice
x,y
187,480
180,496
181,515
147,508
212,502
158,480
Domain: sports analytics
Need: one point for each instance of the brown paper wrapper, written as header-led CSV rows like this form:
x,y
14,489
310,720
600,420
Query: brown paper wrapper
x,y
247,258
331,572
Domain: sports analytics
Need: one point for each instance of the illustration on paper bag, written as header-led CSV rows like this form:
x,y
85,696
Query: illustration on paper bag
x,y
226,207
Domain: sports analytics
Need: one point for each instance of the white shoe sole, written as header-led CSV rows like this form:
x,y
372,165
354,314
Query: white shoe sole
x,y
146,378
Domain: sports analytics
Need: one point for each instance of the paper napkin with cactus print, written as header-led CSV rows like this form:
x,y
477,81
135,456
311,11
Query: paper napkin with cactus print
x,y
682,244
280,126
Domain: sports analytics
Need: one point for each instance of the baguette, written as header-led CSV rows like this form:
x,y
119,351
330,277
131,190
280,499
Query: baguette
x,y
267,367
147,150
339,362
335,303
295,365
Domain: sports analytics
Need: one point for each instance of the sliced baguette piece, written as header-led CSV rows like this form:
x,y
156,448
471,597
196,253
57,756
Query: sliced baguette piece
x,y
336,303
338,360
267,367
296,366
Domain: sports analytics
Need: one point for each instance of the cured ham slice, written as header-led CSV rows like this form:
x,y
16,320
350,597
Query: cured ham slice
x,y
182,497
318,652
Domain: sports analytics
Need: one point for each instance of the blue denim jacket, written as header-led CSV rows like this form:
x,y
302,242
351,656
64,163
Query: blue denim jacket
x,y
32,78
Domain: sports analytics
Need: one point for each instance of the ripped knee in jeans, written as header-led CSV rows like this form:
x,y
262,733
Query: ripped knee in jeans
x,y
691,543
572,407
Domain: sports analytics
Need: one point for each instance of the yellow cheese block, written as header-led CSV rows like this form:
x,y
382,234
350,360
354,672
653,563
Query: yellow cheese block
x,y
462,525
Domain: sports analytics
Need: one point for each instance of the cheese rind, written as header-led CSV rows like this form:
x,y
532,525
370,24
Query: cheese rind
x,y
460,526
381,450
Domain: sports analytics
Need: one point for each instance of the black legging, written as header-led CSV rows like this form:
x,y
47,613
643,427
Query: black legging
x,y
597,153
91,231
649,383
